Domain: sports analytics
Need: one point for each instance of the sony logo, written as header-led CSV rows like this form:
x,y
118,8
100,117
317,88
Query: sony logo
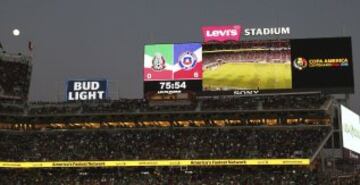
x,y
246,92
217,33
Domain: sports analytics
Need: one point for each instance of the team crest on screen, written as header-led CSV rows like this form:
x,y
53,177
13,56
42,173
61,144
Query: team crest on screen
x,y
300,63
158,62
187,60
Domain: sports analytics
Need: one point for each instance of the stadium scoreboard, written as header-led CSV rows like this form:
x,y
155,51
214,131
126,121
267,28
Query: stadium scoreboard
x,y
250,67
173,68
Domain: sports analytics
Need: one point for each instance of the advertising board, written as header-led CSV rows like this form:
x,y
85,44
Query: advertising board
x,y
350,122
86,90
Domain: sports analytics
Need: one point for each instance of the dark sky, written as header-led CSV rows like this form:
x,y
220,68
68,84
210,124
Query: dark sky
x,y
105,38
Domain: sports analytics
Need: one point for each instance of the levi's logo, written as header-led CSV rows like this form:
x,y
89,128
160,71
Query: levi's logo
x,y
221,33
216,33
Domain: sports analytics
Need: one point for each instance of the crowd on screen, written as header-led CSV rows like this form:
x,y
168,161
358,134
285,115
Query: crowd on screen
x,y
254,44
14,79
174,176
166,143
217,59
277,51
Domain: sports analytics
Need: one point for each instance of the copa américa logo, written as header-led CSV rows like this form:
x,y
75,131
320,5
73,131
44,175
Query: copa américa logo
x,y
158,62
187,60
300,63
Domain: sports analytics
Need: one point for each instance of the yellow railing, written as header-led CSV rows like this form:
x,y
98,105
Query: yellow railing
x,y
142,163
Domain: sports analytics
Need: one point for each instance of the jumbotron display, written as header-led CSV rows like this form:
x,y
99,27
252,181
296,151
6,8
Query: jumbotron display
x,y
250,67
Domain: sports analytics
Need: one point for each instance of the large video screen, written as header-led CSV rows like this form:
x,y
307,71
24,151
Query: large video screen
x,y
350,129
250,67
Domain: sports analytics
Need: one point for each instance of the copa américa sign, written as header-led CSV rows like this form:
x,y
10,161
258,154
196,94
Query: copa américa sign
x,y
221,33
86,90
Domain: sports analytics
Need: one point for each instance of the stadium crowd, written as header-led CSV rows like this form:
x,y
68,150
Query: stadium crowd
x,y
297,102
175,176
166,143
14,76
230,104
280,102
11,107
266,103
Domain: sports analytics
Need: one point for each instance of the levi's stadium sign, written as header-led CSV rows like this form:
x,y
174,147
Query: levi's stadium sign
x,y
234,32
221,33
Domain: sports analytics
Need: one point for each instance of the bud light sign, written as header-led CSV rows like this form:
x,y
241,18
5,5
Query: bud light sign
x,y
221,33
86,90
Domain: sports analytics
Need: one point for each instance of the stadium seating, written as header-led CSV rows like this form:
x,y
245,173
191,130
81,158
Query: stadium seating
x,y
166,143
11,107
207,128
171,176
14,76
298,102
284,102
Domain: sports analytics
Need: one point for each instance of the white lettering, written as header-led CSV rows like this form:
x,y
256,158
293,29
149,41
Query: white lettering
x,y
101,95
83,95
217,33
233,32
247,32
252,31
70,96
95,86
86,95
86,86
285,30
86,90
267,31
77,86
259,32
92,95
245,92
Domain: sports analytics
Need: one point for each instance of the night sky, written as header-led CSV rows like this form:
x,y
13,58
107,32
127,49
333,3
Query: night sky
x,y
105,39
